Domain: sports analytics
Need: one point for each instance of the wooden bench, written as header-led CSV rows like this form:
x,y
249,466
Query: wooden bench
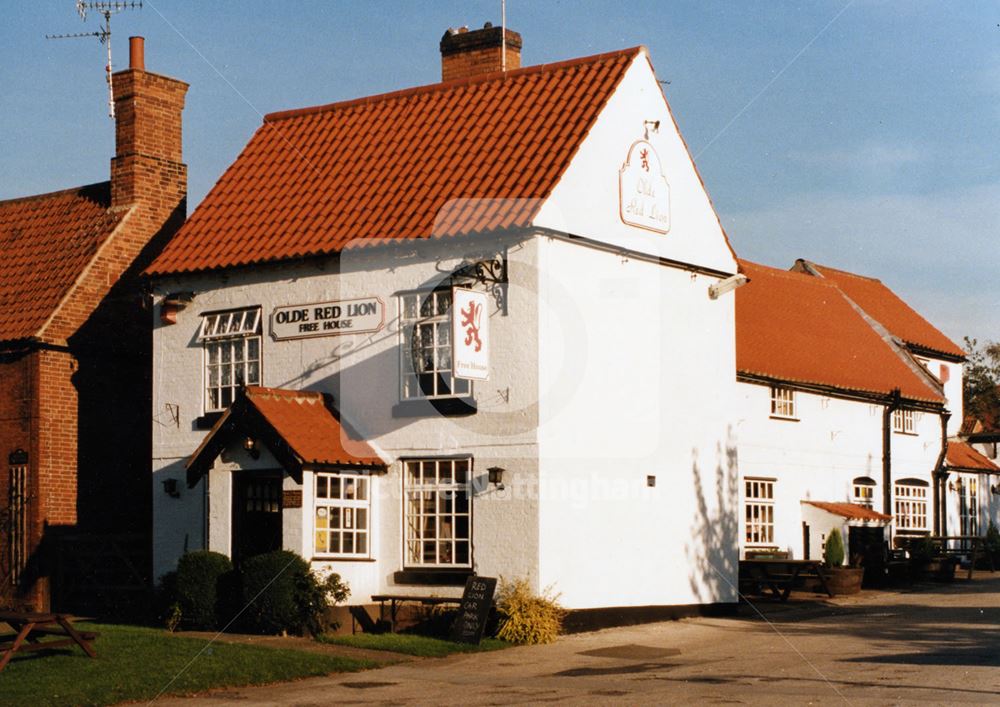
x,y
30,628
395,600
778,575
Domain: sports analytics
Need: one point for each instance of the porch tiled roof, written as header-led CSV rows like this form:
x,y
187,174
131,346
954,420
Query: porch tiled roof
x,y
884,306
964,456
47,242
302,429
851,511
471,155
311,428
796,328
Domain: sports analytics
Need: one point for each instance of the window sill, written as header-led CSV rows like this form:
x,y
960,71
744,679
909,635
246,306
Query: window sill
x,y
335,558
433,407
784,419
444,577
207,421
905,434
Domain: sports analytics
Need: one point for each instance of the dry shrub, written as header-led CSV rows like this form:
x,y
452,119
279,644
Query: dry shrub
x,y
526,617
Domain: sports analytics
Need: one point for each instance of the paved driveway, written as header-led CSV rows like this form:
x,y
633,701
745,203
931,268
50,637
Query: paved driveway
x,y
937,645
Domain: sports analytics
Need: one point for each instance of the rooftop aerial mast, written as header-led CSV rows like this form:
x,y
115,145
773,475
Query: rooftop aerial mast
x,y
106,9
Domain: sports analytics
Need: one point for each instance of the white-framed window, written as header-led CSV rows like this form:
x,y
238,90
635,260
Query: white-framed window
x,y
437,513
782,402
902,421
911,505
864,491
759,511
425,350
342,515
231,341
968,506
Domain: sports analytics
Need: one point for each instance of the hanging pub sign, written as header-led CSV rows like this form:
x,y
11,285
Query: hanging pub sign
x,y
644,195
470,334
349,316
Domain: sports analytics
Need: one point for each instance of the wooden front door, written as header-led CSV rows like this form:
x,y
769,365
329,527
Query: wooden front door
x,y
256,514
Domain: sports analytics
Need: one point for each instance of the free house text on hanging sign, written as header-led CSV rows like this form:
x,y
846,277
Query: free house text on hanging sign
x,y
643,190
348,316
470,334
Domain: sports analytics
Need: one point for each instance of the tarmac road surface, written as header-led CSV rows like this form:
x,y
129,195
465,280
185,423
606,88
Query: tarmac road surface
x,y
938,644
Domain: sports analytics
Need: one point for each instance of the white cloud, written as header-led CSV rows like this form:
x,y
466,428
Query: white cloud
x,y
938,251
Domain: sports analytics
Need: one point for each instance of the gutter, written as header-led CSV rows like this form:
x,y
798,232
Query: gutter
x,y
895,401
940,475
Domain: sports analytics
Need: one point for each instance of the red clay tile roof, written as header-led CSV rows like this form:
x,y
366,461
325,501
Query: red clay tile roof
x,y
964,456
310,428
312,181
301,428
885,307
851,511
801,329
47,241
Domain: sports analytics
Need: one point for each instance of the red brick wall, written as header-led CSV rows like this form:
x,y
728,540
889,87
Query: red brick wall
x,y
476,62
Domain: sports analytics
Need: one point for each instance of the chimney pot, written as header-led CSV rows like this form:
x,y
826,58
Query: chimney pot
x,y
136,53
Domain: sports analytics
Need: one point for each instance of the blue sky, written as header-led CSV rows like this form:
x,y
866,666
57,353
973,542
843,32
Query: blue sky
x,y
861,135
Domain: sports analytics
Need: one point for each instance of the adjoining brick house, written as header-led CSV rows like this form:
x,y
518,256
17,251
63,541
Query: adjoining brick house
x,y
75,340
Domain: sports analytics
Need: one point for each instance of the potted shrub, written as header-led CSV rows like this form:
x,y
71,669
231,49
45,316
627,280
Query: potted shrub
x,y
840,579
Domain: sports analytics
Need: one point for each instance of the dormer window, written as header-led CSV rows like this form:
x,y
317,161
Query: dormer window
x,y
231,341
902,422
783,403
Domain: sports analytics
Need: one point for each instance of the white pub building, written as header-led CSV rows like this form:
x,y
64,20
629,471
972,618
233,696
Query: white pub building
x,y
481,326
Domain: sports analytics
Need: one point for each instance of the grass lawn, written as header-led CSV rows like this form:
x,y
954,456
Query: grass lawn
x,y
135,663
411,644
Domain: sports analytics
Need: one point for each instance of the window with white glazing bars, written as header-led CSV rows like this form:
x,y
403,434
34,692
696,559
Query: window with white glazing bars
x,y
425,348
759,511
231,341
438,513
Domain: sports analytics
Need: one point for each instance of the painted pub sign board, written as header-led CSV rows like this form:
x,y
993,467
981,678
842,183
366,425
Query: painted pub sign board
x,y
643,189
470,335
350,316
474,611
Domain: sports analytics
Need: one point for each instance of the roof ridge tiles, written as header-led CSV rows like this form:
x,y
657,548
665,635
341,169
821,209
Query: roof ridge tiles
x,y
428,89
58,192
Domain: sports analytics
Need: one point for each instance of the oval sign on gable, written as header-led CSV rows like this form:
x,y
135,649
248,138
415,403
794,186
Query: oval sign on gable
x,y
644,194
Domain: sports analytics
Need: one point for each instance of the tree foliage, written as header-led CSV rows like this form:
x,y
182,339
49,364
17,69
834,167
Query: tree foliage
x,y
982,382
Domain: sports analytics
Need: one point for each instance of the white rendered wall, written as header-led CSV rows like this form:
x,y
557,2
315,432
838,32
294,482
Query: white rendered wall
x,y
585,202
817,457
362,372
636,371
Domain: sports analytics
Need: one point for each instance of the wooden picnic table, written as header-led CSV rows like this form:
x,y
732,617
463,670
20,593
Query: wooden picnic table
x,y
779,575
396,599
30,628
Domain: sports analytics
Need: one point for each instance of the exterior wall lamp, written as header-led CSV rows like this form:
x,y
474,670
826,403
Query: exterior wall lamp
x,y
170,488
730,283
496,476
250,445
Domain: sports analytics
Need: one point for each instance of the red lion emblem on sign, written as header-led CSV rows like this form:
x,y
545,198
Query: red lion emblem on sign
x,y
470,322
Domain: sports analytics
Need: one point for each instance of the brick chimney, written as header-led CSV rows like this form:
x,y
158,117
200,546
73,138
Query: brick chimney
x,y
147,166
465,53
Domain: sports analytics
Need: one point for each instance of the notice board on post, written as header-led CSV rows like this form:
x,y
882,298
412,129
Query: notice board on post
x,y
477,600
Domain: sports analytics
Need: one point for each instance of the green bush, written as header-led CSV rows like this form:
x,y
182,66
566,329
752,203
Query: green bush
x,y
833,553
526,617
282,595
993,541
198,580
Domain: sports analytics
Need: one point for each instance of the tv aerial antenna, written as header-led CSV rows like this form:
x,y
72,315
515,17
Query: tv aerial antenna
x,y
103,34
